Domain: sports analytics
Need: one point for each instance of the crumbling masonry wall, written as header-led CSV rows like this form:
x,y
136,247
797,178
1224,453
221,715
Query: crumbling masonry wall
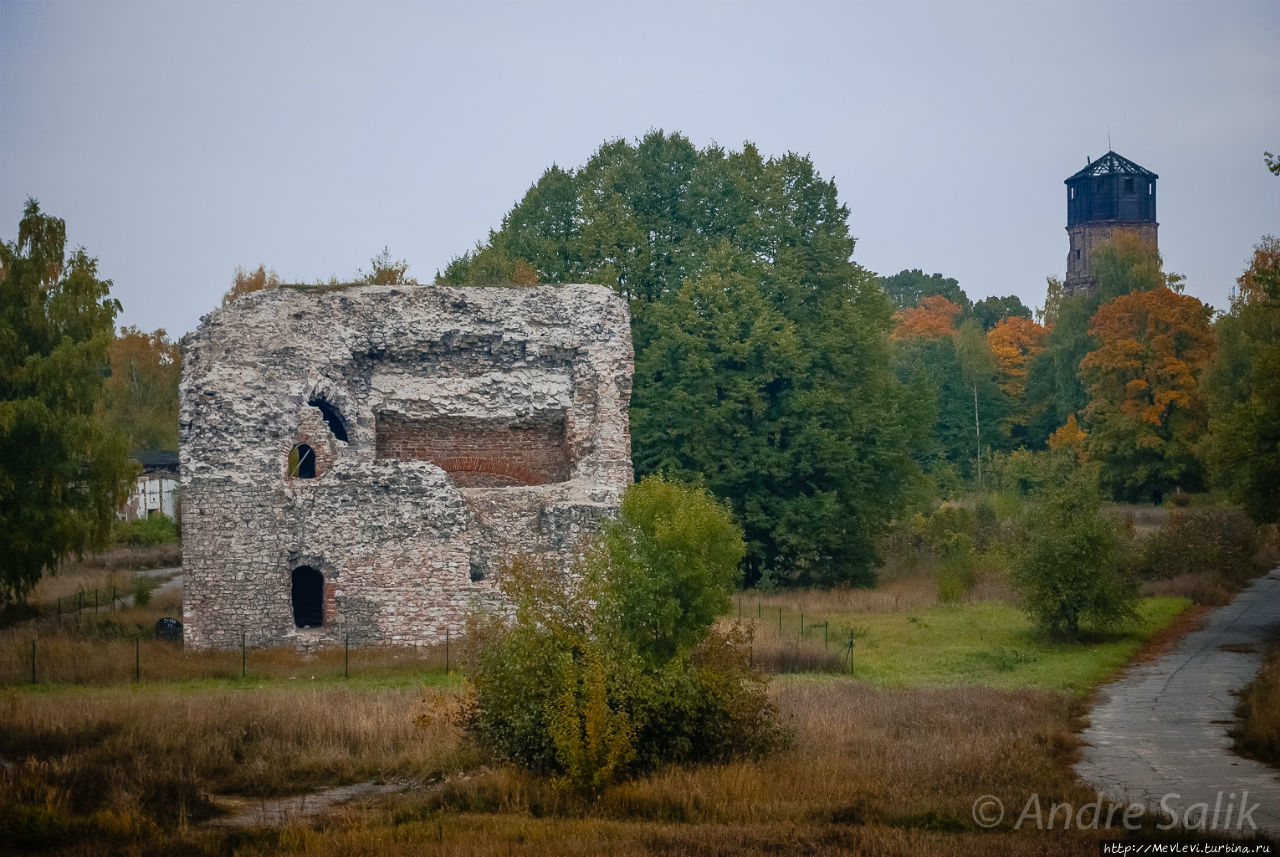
x,y
448,429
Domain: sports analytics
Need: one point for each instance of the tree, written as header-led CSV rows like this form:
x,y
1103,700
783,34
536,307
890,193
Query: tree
x,y
141,399
908,288
1069,571
617,668
1146,413
244,282
1055,391
953,367
1015,341
63,472
693,238
1242,387
990,311
933,316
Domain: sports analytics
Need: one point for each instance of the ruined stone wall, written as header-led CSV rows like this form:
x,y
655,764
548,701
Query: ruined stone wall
x,y
480,424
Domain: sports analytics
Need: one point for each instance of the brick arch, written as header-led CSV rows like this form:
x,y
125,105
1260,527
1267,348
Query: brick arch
x,y
490,466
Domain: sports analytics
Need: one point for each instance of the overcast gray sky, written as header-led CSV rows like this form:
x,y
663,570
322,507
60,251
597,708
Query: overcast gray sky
x,y
179,140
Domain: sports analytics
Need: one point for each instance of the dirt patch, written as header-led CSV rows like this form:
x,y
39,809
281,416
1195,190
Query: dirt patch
x,y
273,812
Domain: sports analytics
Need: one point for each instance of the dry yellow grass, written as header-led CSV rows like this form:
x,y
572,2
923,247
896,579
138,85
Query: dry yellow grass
x,y
870,771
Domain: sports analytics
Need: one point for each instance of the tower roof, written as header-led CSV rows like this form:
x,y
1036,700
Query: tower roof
x,y
1112,164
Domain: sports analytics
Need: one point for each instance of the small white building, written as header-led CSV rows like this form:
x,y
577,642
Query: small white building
x,y
156,490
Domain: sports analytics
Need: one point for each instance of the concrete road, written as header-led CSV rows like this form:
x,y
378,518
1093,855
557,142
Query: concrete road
x,y
1159,734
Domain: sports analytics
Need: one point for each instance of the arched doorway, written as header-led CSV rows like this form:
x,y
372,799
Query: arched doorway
x,y
308,597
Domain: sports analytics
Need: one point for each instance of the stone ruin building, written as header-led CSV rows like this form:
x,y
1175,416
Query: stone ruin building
x,y
361,462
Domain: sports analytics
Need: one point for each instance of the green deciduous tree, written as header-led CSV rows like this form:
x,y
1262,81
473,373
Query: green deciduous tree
x,y
617,667
992,310
745,305
1070,571
63,472
906,288
1243,390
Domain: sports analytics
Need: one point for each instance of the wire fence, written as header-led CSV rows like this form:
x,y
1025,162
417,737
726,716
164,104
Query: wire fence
x,y
100,637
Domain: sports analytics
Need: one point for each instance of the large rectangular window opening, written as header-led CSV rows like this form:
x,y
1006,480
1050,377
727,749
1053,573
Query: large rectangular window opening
x,y
479,452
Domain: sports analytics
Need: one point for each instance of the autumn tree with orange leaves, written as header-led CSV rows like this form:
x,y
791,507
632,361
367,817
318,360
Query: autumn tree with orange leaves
x,y
1146,412
142,389
1014,342
933,316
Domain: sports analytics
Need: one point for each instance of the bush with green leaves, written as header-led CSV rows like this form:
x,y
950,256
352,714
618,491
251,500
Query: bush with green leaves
x,y
1070,568
1218,539
145,532
615,666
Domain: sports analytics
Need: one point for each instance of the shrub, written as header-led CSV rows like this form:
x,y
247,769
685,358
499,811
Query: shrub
x,y
1218,540
616,668
145,532
1069,569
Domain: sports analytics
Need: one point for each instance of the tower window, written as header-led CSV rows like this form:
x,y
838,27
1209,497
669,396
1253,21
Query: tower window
x,y
1151,188
1077,254
1128,185
1073,193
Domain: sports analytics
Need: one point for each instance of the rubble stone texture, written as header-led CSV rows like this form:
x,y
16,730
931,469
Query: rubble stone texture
x,y
449,430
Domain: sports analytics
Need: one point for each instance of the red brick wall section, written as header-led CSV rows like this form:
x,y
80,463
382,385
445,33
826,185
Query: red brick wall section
x,y
480,452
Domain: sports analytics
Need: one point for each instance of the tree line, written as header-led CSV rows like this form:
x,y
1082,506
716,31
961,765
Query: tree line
x,y
816,398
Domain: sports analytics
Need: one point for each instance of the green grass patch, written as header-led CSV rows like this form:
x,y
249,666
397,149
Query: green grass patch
x,y
986,644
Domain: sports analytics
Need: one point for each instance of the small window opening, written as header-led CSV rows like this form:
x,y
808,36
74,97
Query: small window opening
x,y
1077,254
302,462
1151,188
1128,185
1073,193
332,418
307,594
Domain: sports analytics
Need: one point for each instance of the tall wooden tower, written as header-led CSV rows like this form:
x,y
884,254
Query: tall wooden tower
x,y
1109,195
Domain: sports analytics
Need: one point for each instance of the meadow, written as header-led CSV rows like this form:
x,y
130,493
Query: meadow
x,y
936,705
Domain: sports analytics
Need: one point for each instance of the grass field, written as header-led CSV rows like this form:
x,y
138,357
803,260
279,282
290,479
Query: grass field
x,y
990,644
946,703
